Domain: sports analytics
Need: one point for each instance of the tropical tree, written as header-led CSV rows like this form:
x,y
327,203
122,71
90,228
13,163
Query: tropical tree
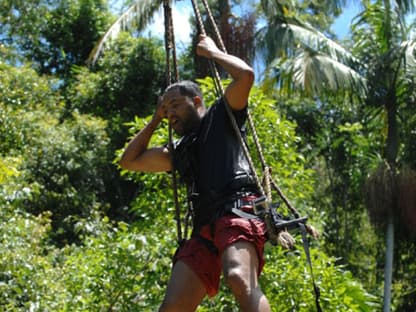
x,y
377,75
237,33
382,30
54,35
134,19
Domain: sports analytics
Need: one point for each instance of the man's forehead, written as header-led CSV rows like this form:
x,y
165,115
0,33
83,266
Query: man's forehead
x,y
171,96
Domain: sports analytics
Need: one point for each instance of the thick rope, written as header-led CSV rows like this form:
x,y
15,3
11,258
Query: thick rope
x,y
170,48
219,87
267,178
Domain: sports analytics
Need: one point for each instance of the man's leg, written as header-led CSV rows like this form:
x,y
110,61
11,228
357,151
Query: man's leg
x,y
185,290
240,266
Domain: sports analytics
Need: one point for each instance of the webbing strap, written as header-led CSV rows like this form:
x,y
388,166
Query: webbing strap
x,y
308,259
244,214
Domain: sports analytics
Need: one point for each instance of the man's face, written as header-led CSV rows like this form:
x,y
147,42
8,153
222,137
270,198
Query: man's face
x,y
181,112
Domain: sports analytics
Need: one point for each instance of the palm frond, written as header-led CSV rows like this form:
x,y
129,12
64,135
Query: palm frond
x,y
406,6
317,41
409,54
136,17
282,38
317,73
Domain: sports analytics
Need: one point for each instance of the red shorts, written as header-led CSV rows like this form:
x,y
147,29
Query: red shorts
x,y
228,230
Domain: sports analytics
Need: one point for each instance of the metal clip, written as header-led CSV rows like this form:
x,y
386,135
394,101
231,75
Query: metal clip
x,y
260,206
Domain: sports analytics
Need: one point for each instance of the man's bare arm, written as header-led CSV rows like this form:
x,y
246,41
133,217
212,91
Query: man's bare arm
x,y
242,74
138,157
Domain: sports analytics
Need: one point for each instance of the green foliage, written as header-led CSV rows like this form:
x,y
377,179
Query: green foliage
x,y
62,33
20,18
21,89
348,135
6,169
126,268
341,143
120,83
119,267
52,154
116,268
287,282
340,292
117,89
56,175
25,270
71,30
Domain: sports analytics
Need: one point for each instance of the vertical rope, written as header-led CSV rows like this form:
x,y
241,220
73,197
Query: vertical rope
x,y
170,48
168,40
268,181
214,25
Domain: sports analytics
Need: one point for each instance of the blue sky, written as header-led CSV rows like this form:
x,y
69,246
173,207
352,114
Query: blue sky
x,y
342,24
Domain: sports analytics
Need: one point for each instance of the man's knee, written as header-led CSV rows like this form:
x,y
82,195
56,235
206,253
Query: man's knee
x,y
236,280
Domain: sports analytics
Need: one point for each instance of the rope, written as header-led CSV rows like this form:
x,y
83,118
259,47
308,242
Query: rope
x,y
170,48
214,25
267,179
170,45
217,82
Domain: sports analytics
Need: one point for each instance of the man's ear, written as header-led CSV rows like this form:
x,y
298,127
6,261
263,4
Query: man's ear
x,y
197,101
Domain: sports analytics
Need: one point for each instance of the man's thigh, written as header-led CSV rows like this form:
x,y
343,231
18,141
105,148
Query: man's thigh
x,y
185,290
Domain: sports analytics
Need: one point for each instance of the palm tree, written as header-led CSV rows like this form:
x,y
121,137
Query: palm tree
x,y
237,32
307,59
379,75
392,60
135,18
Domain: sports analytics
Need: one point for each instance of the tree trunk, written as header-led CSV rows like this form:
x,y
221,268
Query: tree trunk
x,y
388,269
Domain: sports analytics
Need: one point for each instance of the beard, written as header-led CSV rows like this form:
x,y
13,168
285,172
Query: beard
x,y
187,125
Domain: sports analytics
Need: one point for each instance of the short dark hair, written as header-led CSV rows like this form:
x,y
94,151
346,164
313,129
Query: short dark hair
x,y
186,87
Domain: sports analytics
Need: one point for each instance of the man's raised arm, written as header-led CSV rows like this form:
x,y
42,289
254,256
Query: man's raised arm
x,y
138,157
241,73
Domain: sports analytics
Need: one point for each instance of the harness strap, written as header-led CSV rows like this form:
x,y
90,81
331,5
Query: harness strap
x,y
244,214
235,208
207,243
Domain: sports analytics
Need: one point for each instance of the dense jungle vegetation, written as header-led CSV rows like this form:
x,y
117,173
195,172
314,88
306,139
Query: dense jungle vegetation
x,y
336,119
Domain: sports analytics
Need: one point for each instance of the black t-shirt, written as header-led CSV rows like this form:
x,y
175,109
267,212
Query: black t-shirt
x,y
212,162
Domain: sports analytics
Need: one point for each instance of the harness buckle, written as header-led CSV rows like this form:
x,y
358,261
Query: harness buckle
x,y
260,206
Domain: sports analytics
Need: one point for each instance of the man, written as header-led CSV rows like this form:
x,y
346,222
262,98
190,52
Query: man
x,y
210,161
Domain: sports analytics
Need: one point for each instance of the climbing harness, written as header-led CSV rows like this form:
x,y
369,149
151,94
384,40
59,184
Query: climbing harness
x,y
277,226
